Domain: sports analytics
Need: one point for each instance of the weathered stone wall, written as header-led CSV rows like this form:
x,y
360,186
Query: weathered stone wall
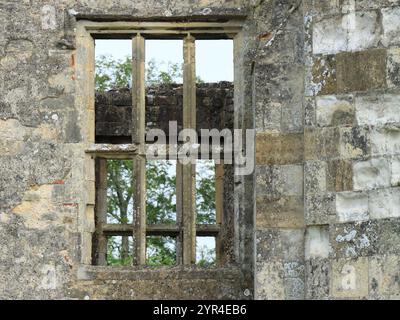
x,y
164,104
327,154
322,90
351,135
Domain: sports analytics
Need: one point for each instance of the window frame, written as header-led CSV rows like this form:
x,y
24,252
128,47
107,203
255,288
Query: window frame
x,y
138,32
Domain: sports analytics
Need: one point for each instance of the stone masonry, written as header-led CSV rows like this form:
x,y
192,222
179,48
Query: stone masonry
x,y
320,83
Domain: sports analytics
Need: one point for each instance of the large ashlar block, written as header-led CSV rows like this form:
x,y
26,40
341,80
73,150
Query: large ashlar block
x,y
320,209
378,110
352,206
385,141
346,33
334,111
277,181
275,148
355,239
361,71
269,282
322,79
384,273
384,203
391,26
294,288
315,177
339,176
317,242
371,174
354,142
349,278
285,212
321,143
317,275
280,244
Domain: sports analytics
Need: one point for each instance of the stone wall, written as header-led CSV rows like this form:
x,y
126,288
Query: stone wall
x,y
164,104
327,153
351,150
319,80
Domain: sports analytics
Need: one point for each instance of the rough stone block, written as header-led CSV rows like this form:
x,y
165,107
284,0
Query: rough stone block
x,y
371,174
361,71
352,206
393,66
294,288
388,236
377,110
346,33
274,148
354,143
294,269
315,177
269,284
391,26
317,242
349,278
333,111
285,212
355,239
384,203
339,176
321,143
318,276
278,181
320,209
292,111
363,29
384,275
280,244
323,76
268,115
309,112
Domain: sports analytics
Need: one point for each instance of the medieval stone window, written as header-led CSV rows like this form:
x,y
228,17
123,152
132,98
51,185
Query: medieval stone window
x,y
130,152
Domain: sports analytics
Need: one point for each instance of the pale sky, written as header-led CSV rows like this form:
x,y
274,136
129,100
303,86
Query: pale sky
x,y
214,58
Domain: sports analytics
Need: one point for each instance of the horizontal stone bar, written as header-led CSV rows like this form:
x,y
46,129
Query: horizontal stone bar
x,y
113,151
202,230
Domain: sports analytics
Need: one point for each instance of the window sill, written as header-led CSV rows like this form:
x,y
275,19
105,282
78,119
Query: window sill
x,y
88,273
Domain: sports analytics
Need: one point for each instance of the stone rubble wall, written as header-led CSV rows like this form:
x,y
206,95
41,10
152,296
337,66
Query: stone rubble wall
x,y
164,104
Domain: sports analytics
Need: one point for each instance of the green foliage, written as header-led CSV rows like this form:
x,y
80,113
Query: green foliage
x,y
112,74
155,76
205,192
115,74
161,192
119,191
161,251
115,255
205,256
160,207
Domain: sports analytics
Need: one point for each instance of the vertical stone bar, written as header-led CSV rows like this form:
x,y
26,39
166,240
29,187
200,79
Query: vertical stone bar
x,y
219,201
179,214
138,137
101,212
189,170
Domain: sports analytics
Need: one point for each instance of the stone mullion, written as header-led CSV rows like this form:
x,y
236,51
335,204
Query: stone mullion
x,y
138,138
189,170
